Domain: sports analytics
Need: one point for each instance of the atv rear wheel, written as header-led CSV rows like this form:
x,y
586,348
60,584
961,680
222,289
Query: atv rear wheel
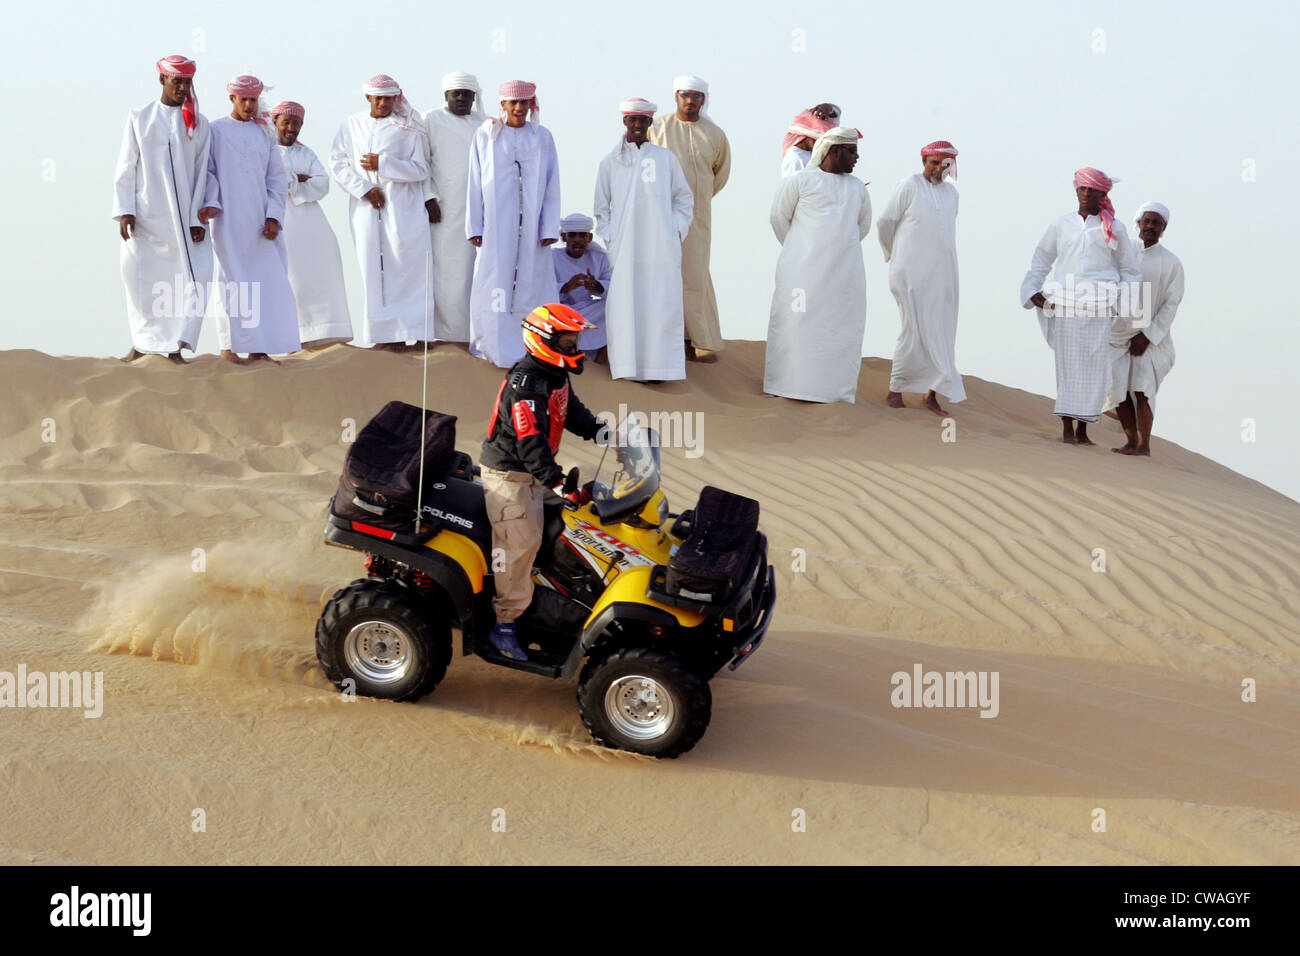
x,y
644,700
391,643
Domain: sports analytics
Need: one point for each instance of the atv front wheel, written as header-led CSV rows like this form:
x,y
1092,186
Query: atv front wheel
x,y
644,700
389,642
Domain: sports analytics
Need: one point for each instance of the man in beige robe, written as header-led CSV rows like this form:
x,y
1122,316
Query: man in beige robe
x,y
702,149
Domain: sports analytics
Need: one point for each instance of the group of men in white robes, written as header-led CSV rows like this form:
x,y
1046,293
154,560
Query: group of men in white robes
x,y
1098,308
180,178
821,214
450,214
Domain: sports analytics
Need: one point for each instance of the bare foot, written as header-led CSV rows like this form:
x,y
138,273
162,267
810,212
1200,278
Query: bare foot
x,y
931,401
132,355
1142,451
1069,438
1125,449
1111,414
1081,436
177,358
230,356
261,357
895,400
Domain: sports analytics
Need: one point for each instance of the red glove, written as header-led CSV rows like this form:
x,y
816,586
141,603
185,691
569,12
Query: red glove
x,y
579,497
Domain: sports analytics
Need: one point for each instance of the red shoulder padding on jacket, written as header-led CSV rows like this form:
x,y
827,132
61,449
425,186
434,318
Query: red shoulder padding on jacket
x,y
525,419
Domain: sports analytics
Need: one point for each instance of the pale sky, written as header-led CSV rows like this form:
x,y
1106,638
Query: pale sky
x,y
1190,104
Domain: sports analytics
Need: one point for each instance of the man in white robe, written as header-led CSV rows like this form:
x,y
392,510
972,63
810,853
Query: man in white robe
x,y
513,214
701,147
378,157
162,174
1142,350
644,208
1095,275
917,230
315,265
582,269
251,298
819,307
451,131
796,146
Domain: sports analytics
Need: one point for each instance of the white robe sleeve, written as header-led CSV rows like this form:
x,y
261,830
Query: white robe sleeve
x,y
864,214
412,167
202,153
474,187
128,164
783,206
1039,267
431,159
341,166
212,195
601,203
1129,273
548,223
887,225
1158,331
315,188
277,186
683,198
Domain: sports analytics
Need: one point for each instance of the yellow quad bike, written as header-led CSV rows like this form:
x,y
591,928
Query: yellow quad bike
x,y
615,603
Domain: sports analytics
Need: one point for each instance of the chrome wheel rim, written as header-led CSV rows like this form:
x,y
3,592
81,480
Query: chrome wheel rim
x,y
379,652
639,707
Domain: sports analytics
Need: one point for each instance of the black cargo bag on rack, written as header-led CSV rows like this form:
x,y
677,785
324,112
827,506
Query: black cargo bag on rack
x,y
381,474
713,560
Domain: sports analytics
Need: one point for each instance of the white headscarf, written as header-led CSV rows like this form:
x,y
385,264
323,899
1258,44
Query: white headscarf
x,y
1159,208
465,81
836,136
577,222
690,81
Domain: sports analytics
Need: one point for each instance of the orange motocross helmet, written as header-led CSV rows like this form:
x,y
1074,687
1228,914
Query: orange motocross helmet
x,y
544,325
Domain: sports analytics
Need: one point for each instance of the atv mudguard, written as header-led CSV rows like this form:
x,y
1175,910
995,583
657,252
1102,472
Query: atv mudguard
x,y
625,599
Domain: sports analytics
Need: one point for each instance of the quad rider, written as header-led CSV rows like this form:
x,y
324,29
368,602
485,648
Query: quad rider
x,y
533,408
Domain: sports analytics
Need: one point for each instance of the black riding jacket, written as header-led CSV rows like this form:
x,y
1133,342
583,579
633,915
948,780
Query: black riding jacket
x,y
533,408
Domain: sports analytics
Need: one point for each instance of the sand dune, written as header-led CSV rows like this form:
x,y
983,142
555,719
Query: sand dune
x,y
1118,690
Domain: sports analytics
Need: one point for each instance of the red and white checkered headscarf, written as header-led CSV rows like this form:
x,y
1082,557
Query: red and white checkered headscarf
x,y
805,124
520,90
941,147
177,65
248,85
381,84
1096,179
514,90
288,108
